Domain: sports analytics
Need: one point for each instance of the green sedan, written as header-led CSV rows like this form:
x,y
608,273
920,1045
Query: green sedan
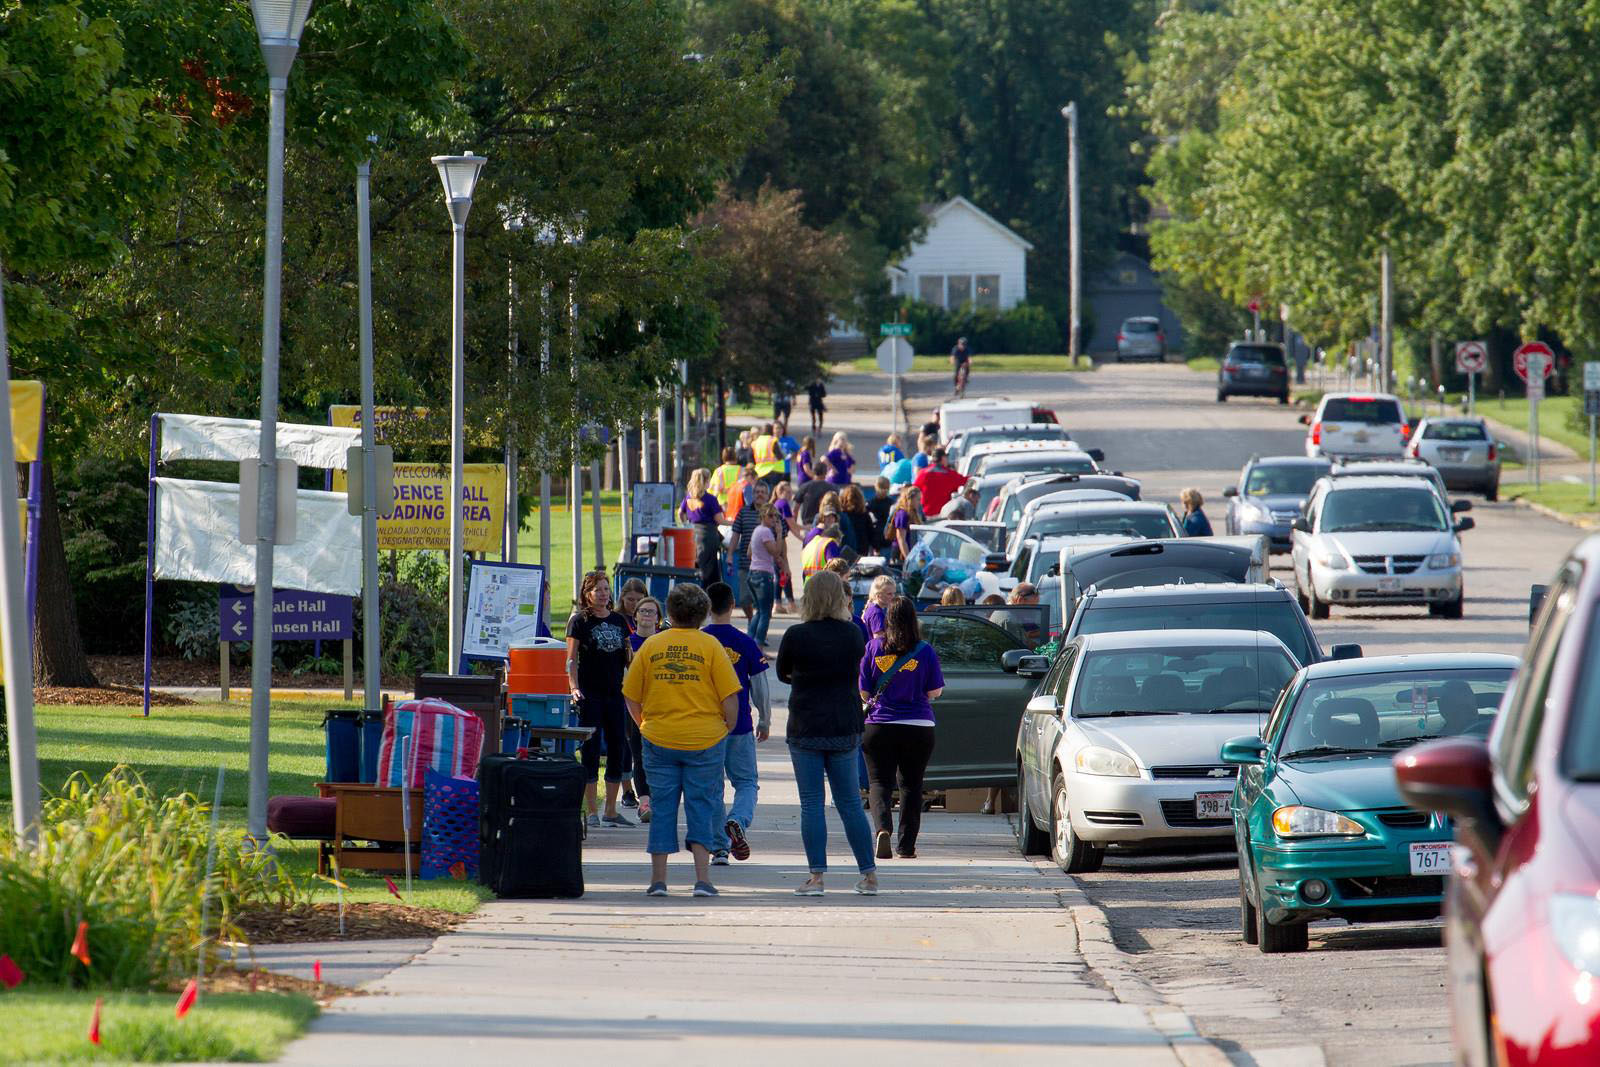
x,y
1321,829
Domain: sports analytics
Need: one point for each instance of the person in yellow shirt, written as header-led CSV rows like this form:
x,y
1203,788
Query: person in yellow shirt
x,y
724,482
819,550
768,459
684,694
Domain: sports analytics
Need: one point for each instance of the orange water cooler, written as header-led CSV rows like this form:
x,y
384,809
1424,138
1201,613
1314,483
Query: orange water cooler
x,y
676,547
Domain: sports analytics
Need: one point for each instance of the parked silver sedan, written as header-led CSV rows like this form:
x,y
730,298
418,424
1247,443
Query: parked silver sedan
x,y
1462,450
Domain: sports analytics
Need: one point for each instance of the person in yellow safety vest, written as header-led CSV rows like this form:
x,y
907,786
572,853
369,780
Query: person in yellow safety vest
x,y
724,483
819,550
768,459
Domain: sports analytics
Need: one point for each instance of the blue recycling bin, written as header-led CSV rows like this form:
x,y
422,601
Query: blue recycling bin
x,y
371,740
343,735
513,735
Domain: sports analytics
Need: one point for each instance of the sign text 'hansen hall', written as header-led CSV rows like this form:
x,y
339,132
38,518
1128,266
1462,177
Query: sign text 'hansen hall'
x,y
296,615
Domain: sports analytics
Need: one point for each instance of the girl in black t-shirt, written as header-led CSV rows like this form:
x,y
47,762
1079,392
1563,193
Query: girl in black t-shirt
x,y
597,658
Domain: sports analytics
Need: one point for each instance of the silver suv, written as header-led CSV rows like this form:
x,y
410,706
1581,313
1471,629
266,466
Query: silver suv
x,y
1462,450
1141,338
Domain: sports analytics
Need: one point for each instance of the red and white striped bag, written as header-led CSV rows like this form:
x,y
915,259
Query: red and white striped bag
x,y
438,735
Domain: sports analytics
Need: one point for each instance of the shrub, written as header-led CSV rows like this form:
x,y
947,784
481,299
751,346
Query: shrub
x,y
414,599
132,865
191,624
1026,328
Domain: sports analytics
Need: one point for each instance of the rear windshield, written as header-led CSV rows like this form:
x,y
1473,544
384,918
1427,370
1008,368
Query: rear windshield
x,y
1280,618
1453,431
1024,463
1042,431
1291,479
1268,354
1148,524
1135,326
1360,409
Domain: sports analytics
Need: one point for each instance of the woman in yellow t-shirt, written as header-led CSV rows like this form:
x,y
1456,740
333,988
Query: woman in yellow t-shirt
x,y
684,694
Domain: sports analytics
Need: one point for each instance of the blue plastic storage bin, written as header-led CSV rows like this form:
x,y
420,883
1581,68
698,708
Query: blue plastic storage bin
x,y
371,739
539,710
513,735
343,730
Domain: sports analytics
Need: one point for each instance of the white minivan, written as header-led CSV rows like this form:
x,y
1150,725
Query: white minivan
x,y
960,415
1368,425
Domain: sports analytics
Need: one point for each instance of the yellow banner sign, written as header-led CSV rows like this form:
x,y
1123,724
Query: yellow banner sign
x,y
349,416
27,419
421,519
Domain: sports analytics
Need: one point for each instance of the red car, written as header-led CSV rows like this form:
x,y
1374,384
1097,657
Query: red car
x,y
1522,907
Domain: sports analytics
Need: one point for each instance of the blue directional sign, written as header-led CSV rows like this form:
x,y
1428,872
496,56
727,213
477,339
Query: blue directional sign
x,y
296,615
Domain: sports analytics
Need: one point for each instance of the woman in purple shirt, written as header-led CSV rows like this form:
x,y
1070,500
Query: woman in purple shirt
x,y
802,460
899,679
702,511
840,461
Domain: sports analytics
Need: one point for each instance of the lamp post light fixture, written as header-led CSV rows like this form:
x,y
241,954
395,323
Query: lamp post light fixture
x,y
279,24
460,176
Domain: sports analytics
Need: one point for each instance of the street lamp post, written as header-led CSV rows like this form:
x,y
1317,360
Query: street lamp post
x,y
1070,113
279,24
14,622
370,653
460,176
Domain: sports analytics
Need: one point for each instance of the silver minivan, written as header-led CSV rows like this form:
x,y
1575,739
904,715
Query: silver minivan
x,y
1462,450
1141,337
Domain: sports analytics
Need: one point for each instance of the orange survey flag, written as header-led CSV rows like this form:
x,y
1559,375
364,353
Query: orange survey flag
x,y
394,889
80,944
10,974
94,1023
186,999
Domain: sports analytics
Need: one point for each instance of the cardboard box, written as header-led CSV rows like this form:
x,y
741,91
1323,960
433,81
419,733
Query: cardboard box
x,y
970,801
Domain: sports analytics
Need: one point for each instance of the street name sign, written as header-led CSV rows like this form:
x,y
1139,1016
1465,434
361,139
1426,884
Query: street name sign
x,y
296,615
894,329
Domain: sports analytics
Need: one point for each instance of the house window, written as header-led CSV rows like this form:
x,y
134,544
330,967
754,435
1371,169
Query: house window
x,y
930,289
960,290
988,291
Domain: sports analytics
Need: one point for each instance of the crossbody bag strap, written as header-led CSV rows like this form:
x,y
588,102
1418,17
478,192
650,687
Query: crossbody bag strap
x,y
884,679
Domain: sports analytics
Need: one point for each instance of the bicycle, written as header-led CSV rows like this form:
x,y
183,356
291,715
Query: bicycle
x,y
963,372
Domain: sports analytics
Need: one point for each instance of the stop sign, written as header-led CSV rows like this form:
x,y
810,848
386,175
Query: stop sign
x,y
1534,353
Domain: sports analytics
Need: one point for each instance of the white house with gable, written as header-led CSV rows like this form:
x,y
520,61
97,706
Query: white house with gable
x,y
965,257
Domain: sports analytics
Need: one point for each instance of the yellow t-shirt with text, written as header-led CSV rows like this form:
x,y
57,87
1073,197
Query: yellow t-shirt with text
x,y
680,679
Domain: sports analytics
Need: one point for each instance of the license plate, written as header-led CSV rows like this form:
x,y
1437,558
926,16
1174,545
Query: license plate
x,y
1388,585
1211,805
1432,857
1455,455
1361,438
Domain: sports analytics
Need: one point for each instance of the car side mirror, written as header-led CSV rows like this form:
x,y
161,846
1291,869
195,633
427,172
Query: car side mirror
x,y
1305,420
1232,490
1097,454
1011,659
1301,524
1033,666
1453,775
1463,525
1458,506
1345,651
1248,751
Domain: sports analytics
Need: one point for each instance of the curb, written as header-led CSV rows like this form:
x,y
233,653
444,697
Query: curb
x,y
1114,966
1582,522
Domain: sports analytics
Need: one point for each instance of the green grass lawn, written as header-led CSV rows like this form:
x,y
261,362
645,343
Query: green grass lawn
x,y
179,749
1559,496
993,364
1204,364
1554,411
44,1026
561,548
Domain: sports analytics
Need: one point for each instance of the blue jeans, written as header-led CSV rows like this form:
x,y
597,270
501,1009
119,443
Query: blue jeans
x,y
840,768
764,592
695,775
739,761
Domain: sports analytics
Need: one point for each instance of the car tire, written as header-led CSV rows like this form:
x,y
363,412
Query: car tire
x,y
1247,912
1031,841
1449,609
1072,854
1316,609
1222,396
1271,938
1283,399
1491,492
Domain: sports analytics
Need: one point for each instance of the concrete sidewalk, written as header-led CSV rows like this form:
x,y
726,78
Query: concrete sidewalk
x,y
968,952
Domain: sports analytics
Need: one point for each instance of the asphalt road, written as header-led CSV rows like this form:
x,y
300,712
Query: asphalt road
x,y
1370,995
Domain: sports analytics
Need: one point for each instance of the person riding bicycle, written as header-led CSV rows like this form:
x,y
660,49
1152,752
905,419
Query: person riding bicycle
x,y
961,363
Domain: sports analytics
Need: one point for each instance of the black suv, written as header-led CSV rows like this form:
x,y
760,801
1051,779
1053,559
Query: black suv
x,y
1203,605
1253,368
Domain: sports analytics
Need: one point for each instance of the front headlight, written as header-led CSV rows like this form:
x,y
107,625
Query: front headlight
x,y
1109,762
1295,820
1444,561
1575,923
1332,560
1256,512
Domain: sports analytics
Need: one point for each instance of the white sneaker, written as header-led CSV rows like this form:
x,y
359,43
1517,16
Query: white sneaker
x,y
719,858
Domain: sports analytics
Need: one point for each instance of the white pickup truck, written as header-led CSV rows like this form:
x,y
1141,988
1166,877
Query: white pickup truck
x,y
1369,425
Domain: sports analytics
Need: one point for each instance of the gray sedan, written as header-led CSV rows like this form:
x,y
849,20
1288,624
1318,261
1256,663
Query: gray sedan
x,y
1462,450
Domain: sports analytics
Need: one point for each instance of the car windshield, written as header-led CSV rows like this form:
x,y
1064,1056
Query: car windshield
x,y
1180,680
1355,510
1580,755
1289,479
1139,326
1043,462
992,537
1360,409
1381,714
1125,523
1280,618
1454,431
1269,354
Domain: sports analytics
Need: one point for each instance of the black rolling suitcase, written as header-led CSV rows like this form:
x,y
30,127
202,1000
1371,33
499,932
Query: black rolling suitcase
x,y
530,826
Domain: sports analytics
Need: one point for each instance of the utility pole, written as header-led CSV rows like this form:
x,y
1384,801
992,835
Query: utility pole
x,y
1074,239
370,654
1386,327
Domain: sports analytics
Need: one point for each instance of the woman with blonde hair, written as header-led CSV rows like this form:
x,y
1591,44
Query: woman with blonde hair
x,y
840,460
701,509
1195,523
952,597
819,659
907,513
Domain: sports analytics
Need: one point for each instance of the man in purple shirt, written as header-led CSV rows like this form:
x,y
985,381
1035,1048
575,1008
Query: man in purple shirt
x,y
750,665
899,679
